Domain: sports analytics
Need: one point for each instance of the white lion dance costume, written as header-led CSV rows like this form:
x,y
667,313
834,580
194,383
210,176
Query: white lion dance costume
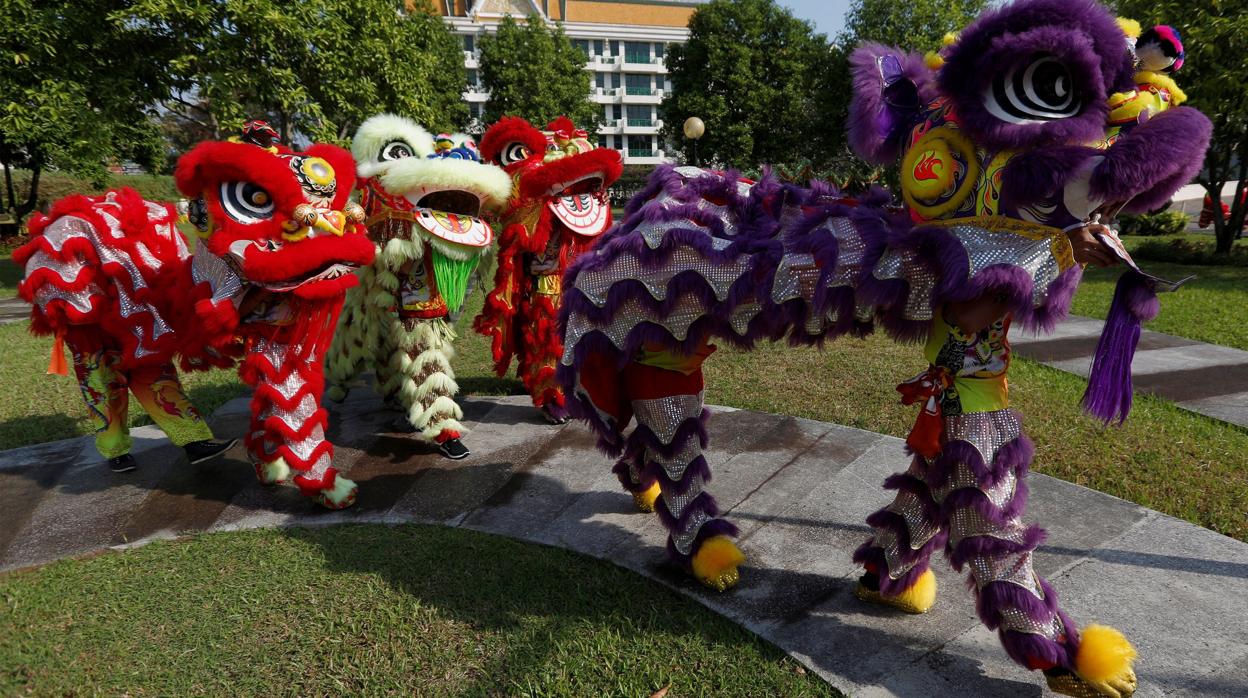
x,y
1005,146
424,198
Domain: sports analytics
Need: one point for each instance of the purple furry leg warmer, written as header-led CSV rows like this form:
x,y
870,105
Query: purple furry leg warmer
x,y
907,532
670,436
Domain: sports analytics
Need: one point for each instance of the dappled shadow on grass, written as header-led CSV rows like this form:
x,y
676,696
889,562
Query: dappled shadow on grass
x,y
36,429
10,275
489,385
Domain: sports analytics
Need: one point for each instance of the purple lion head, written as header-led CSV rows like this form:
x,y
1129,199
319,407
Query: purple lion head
x,y
1036,73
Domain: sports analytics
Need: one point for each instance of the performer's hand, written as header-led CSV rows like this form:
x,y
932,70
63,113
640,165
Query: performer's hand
x,y
1088,248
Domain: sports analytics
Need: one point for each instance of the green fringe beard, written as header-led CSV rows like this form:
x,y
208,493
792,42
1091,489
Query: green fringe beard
x,y
452,277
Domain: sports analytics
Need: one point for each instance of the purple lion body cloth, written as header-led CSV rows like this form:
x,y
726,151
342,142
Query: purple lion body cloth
x,y
1004,147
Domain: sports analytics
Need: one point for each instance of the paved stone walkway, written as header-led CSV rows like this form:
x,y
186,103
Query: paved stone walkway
x,y
1205,378
799,489
13,310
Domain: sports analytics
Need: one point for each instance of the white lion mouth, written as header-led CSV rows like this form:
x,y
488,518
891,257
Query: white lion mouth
x,y
584,214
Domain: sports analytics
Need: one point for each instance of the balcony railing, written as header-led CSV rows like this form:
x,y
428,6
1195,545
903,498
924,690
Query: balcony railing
x,y
641,153
640,91
637,58
641,122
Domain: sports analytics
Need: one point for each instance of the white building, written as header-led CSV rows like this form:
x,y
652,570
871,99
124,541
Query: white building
x,y
626,44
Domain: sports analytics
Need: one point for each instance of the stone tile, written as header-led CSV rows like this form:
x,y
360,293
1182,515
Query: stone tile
x,y
189,498
1071,327
971,664
1053,350
1231,408
24,489
1173,589
1160,361
1195,384
1062,508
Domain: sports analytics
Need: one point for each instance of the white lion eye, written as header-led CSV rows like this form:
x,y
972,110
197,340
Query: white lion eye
x,y
395,150
246,202
1040,91
513,153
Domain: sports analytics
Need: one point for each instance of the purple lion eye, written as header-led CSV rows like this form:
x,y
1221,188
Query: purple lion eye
x,y
1034,92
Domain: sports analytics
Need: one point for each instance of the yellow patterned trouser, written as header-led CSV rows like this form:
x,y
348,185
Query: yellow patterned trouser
x,y
106,390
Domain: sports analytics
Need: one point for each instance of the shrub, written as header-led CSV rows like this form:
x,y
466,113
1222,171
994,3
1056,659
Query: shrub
x,y
629,184
1152,224
1183,251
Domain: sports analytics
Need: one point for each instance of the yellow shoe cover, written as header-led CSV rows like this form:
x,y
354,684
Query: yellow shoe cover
x,y
919,598
715,564
644,501
340,496
1102,666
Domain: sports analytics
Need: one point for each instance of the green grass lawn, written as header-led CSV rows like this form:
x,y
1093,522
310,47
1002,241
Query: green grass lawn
x,y
369,610
10,276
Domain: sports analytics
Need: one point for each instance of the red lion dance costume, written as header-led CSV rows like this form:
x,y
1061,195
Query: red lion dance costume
x,y
112,277
1008,158
558,209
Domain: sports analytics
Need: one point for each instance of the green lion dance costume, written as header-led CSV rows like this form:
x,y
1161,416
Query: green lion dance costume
x,y
423,197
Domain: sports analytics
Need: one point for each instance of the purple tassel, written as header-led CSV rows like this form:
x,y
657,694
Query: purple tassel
x,y
1108,397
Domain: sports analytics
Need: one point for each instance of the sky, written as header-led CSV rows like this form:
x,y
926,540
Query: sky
x,y
828,16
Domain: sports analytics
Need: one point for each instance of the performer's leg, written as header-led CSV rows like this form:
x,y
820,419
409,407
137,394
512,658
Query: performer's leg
x,y
159,391
104,391
980,482
428,389
897,555
541,348
670,434
353,339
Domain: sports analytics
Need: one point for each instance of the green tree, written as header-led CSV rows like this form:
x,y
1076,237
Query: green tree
x,y
753,72
533,71
914,25
1215,39
75,92
314,67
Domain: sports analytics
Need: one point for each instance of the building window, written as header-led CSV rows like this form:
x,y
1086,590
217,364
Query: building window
x,y
640,115
474,80
659,50
600,79
476,109
615,79
469,42
598,47
615,48
636,52
638,84
619,111
606,114
583,45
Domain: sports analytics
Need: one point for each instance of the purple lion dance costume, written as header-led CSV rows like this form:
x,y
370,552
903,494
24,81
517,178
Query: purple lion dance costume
x,y
1006,155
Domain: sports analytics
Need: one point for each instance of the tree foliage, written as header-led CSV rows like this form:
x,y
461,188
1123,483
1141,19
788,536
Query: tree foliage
x,y
913,25
76,91
763,82
1215,38
315,67
533,71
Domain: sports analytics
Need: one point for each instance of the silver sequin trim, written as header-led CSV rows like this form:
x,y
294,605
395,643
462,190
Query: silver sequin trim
x,y
597,284
678,503
684,539
80,299
678,462
665,415
921,527
225,282
985,248
905,264
1015,569
966,522
986,431
886,540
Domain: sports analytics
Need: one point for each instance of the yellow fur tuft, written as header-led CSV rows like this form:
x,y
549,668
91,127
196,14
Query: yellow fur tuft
x,y
919,598
933,60
1104,655
1130,27
715,564
644,501
949,39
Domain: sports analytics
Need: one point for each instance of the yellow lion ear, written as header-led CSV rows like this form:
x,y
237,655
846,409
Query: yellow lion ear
x,y
1130,27
949,38
933,60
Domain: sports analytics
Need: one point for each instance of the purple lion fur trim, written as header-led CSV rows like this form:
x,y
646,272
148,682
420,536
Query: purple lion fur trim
x,y
939,251
710,529
1153,160
704,502
988,546
876,123
1035,175
869,555
1024,647
698,466
1109,394
1000,596
623,471
1081,33
1013,456
978,501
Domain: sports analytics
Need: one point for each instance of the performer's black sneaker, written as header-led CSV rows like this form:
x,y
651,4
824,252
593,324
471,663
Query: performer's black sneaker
x,y
200,451
122,464
454,449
